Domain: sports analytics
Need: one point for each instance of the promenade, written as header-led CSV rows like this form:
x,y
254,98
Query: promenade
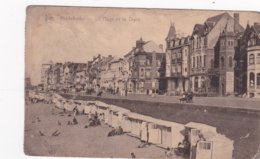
x,y
229,102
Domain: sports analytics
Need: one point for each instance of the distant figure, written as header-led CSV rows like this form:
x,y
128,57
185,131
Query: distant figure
x,y
125,92
133,155
38,119
59,123
56,133
153,93
75,110
184,97
75,121
169,153
99,93
41,133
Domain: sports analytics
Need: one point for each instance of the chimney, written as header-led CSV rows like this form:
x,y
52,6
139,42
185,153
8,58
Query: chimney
x,y
236,22
161,46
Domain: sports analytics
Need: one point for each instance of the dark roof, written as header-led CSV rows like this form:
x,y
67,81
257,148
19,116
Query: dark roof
x,y
256,27
171,33
217,17
198,29
204,29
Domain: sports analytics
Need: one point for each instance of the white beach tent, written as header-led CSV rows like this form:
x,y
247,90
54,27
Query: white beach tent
x,y
69,105
209,144
79,104
135,124
171,133
164,133
102,110
116,116
87,106
197,129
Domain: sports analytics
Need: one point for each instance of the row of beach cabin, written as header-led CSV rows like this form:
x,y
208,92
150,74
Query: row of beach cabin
x,y
205,142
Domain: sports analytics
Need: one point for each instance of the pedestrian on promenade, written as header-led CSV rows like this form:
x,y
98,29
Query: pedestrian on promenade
x,y
133,155
125,92
153,93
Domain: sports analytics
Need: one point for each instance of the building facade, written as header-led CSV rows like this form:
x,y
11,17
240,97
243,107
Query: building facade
x,y
177,62
45,80
253,56
147,66
205,43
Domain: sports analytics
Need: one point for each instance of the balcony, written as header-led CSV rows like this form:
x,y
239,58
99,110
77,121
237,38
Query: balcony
x,y
176,75
200,70
213,71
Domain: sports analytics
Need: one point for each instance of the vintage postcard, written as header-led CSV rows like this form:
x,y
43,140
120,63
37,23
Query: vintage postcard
x,y
142,83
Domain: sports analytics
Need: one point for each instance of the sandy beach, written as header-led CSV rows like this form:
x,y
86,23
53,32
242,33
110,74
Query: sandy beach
x,y
76,140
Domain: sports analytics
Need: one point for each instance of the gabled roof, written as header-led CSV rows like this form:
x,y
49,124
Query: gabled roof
x,y
151,46
217,17
198,29
210,23
256,28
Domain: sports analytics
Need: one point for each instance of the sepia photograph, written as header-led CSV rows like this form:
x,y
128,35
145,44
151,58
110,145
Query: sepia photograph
x,y
108,82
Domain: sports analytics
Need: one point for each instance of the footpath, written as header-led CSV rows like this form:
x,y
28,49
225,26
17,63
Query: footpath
x,y
226,102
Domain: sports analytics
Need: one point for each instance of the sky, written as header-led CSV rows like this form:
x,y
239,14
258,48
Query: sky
x,y
76,34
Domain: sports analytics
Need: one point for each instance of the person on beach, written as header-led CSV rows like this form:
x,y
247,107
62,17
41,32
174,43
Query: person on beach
x,y
75,111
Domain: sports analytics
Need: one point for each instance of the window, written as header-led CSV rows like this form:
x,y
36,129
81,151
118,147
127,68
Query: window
x,y
252,79
222,43
212,63
249,43
251,59
173,69
230,43
195,132
230,61
196,84
142,84
200,61
258,58
205,41
148,62
158,74
197,61
258,80
185,69
193,62
197,42
253,41
142,72
158,62
148,74
222,62
204,61
204,145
